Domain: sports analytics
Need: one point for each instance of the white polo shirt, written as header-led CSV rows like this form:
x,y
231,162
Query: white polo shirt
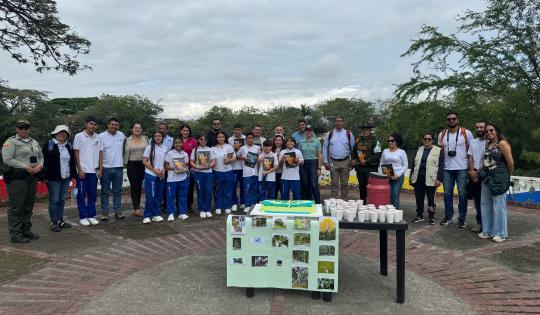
x,y
476,149
159,157
88,147
220,153
112,147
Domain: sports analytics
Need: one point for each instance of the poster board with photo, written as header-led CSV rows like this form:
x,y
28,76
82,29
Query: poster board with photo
x,y
300,255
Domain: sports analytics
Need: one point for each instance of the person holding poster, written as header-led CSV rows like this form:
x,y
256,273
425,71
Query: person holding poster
x,y
290,159
154,162
176,164
268,163
237,140
394,163
224,156
249,153
202,161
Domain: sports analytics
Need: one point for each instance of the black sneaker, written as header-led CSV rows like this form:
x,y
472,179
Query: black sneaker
x,y
445,221
431,221
119,216
418,219
31,235
64,225
20,239
462,224
55,227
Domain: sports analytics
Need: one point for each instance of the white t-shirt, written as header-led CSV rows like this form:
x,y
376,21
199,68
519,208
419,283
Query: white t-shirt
x,y
290,173
272,161
458,162
159,157
203,153
179,157
244,151
476,149
112,147
88,147
398,159
237,164
220,153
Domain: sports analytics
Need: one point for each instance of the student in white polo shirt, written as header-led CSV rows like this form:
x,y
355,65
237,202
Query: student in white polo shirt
x,y
86,149
111,167
154,177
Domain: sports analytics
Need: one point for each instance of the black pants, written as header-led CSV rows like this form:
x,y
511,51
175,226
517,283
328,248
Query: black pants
x,y
191,192
362,174
22,195
421,190
278,185
135,173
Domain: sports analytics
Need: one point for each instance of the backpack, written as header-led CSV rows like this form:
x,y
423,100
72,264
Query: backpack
x,y
331,133
463,134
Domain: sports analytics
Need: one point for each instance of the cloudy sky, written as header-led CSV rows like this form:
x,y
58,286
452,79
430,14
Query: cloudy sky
x,y
192,54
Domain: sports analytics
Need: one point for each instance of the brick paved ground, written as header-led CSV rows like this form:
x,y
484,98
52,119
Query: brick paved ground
x,y
62,272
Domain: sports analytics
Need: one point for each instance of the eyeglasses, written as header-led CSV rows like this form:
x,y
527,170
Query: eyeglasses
x,y
218,123
390,141
490,130
451,119
428,139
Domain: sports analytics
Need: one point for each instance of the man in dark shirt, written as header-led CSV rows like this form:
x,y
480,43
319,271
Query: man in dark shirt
x,y
212,134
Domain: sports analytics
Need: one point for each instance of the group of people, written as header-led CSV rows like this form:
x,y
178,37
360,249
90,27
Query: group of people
x,y
238,171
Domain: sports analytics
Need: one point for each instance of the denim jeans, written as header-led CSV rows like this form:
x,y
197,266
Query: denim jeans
x,y
204,183
310,181
290,185
224,192
251,190
179,191
450,179
86,195
494,213
268,190
238,180
57,199
395,189
153,188
115,176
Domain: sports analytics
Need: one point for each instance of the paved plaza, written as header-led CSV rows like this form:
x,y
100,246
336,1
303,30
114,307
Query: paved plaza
x,y
180,268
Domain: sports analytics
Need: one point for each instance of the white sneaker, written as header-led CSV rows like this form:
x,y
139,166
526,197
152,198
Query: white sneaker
x,y
208,214
170,218
233,208
246,210
93,221
146,220
183,217
227,211
157,218
498,239
84,222
482,235
218,211
202,214
242,206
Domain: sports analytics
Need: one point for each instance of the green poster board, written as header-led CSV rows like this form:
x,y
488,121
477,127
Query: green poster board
x,y
283,252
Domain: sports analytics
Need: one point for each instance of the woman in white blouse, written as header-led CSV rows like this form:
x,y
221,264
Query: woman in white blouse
x,y
398,159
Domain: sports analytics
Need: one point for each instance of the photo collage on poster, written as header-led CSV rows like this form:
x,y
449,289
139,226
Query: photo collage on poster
x,y
297,251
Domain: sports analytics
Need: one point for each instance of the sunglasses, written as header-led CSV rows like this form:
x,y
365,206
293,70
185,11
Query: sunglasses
x,y
490,130
390,141
23,127
451,119
216,123
428,139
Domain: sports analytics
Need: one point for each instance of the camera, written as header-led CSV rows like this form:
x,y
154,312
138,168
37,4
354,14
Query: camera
x,y
451,153
33,159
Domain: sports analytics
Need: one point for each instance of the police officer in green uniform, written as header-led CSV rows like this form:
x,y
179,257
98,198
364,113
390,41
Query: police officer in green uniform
x,y
365,155
23,156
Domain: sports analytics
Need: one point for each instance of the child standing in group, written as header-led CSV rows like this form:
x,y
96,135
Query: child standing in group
x,y
279,144
224,156
237,140
290,159
249,153
176,163
202,161
154,173
268,164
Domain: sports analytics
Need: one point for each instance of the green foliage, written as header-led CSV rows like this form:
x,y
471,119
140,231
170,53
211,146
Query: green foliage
x,y
30,31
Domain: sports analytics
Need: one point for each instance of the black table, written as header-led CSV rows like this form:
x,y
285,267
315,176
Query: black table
x,y
383,228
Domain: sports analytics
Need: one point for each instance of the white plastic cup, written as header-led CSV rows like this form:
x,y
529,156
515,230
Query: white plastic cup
x,y
382,216
333,211
398,216
390,216
374,216
362,216
349,216
339,215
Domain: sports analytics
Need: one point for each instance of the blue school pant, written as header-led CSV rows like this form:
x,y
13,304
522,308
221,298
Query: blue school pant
x,y
177,190
290,185
205,184
153,187
268,190
251,190
238,180
86,195
224,191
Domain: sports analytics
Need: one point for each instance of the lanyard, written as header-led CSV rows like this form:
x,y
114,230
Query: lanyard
x,y
448,139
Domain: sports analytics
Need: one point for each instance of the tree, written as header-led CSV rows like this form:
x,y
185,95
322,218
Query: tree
x,y
31,31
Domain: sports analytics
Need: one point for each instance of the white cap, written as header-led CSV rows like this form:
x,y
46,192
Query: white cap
x,y
60,128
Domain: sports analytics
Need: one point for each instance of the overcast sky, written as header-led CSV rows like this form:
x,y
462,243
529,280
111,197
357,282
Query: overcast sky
x,y
190,55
